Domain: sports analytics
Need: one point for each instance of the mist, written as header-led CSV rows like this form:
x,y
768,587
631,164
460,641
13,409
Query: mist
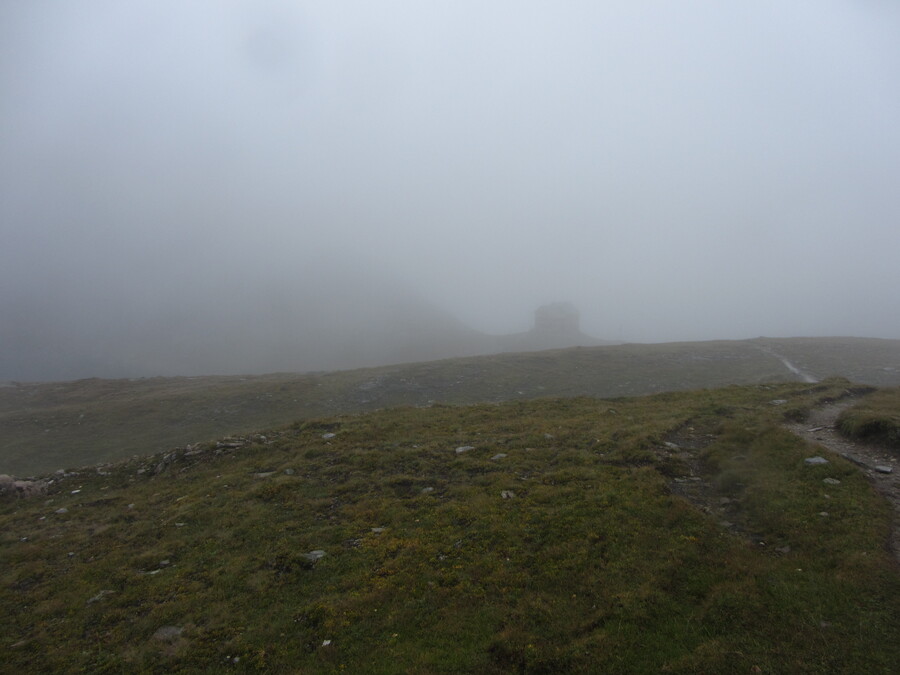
x,y
236,187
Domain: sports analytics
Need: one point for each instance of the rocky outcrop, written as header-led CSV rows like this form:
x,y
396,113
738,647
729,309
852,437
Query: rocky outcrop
x,y
10,488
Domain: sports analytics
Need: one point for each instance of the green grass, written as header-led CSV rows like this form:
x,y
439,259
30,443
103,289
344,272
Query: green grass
x,y
875,418
596,564
50,426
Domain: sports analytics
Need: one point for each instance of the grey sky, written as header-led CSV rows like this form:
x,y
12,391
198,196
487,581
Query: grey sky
x,y
677,170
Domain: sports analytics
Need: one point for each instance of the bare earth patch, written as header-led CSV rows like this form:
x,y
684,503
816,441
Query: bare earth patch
x,y
820,427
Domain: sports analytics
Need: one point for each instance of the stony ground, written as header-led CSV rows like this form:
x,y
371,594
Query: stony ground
x,y
877,462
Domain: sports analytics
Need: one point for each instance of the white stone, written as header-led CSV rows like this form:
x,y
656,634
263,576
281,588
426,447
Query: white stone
x,y
814,461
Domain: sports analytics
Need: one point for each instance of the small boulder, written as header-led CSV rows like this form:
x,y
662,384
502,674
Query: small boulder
x,y
831,481
815,461
464,448
314,556
168,633
99,596
883,468
499,455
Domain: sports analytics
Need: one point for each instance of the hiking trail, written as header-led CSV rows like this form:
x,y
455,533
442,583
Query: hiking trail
x,y
821,428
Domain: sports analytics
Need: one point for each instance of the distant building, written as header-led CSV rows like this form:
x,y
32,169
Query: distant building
x,y
557,319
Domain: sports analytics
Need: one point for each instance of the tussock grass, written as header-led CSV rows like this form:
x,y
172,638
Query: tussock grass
x,y
591,563
875,418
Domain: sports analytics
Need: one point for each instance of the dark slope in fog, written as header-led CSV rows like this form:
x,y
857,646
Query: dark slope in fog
x,y
330,317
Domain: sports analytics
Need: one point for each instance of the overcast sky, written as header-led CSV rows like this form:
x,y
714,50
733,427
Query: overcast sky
x,y
677,170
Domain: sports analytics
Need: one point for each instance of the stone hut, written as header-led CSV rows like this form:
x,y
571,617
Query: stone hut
x,y
557,319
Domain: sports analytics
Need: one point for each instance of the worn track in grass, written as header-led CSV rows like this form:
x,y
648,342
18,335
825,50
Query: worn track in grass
x,y
821,428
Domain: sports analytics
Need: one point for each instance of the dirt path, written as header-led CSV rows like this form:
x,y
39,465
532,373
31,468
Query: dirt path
x,y
821,428
804,376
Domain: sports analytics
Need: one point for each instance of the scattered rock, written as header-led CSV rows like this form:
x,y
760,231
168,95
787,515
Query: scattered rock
x,y
783,549
10,487
672,446
883,468
377,530
62,510
824,514
464,448
815,461
265,474
230,445
778,401
288,472
499,455
427,490
831,481
549,436
328,435
508,494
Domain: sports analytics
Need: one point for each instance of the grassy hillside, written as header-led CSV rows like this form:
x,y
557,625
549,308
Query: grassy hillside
x,y
679,533
44,427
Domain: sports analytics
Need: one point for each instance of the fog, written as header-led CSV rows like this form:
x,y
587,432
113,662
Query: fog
x,y
224,186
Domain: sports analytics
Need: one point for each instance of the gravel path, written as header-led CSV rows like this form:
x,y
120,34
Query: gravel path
x,y
820,428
